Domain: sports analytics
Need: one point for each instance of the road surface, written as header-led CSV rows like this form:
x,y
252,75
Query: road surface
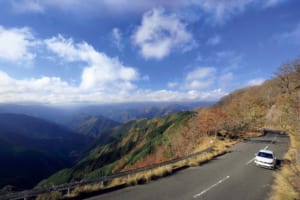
x,y
231,176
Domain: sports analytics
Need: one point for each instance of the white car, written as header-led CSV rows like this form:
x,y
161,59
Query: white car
x,y
265,158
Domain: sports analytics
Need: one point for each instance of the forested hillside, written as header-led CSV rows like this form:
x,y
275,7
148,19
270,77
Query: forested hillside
x,y
135,144
285,115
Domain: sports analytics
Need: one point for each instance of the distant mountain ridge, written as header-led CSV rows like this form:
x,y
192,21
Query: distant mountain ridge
x,y
130,111
93,126
121,113
32,149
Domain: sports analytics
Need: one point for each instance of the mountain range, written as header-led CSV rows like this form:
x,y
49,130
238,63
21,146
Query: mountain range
x,y
122,112
37,140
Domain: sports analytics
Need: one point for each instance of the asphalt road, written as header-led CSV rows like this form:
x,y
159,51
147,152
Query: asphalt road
x,y
231,176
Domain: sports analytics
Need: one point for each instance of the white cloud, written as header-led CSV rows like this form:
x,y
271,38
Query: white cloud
x,y
292,36
27,6
219,10
214,40
256,81
172,84
117,38
227,82
176,95
200,78
101,73
226,77
200,73
270,3
16,44
160,33
230,60
212,95
222,10
44,89
92,7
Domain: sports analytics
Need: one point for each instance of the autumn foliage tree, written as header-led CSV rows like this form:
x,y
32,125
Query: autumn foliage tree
x,y
288,76
211,121
288,80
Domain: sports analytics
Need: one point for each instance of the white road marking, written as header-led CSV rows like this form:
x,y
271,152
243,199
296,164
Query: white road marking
x,y
266,147
250,161
274,139
210,187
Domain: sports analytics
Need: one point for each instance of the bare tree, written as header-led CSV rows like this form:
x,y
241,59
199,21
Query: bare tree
x,y
288,76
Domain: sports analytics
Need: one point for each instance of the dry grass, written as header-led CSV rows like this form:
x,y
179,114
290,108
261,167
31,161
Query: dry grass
x,y
253,134
202,144
219,148
84,189
55,195
196,161
145,177
287,181
116,182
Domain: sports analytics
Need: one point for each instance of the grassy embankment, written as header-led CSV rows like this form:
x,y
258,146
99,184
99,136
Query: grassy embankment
x,y
287,181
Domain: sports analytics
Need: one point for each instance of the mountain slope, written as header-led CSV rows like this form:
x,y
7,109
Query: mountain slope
x,y
93,126
126,112
32,149
128,145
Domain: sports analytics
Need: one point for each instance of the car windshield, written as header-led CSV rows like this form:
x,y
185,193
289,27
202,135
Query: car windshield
x,y
265,155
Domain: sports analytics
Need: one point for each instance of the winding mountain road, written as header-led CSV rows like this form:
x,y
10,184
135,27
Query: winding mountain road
x,y
231,176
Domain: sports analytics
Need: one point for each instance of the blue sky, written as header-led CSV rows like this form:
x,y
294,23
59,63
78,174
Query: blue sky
x,y
111,51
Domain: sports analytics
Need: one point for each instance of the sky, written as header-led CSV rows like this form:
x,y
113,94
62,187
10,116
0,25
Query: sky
x,y
113,51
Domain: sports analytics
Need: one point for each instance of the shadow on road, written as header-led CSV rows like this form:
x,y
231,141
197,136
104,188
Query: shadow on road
x,y
281,162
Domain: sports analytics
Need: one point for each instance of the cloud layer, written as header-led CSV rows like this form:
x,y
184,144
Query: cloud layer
x,y
53,90
103,78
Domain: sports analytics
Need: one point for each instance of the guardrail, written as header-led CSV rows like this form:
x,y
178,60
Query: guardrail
x,y
28,194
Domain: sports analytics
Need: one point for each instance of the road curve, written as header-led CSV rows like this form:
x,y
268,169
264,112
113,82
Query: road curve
x,y
231,176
